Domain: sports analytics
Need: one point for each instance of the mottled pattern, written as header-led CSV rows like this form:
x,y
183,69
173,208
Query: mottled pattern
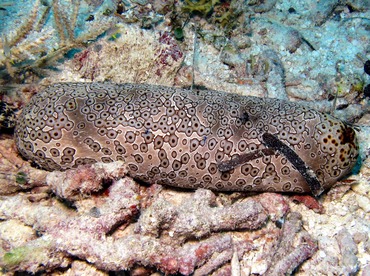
x,y
186,139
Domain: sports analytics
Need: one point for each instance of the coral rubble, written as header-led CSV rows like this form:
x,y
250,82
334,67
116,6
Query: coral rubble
x,y
116,231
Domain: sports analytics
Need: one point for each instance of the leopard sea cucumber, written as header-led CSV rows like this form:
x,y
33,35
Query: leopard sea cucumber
x,y
188,139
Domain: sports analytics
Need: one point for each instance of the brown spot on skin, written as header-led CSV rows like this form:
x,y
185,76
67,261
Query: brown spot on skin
x,y
347,136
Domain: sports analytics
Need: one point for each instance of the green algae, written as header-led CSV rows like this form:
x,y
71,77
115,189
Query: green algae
x,y
21,178
17,255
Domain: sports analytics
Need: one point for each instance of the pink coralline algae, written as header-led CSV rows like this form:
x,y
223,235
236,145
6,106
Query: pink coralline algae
x,y
169,53
84,65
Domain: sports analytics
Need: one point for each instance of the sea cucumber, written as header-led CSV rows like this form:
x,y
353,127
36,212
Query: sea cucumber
x,y
188,139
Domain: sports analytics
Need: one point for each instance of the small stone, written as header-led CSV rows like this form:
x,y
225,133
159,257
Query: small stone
x,y
360,237
348,250
242,42
90,18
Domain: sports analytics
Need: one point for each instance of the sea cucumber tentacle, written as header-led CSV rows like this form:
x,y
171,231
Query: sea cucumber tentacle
x,y
188,139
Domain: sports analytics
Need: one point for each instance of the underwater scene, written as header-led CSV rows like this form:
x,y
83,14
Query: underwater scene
x,y
185,137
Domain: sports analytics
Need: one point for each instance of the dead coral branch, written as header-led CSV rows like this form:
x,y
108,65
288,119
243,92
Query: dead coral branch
x,y
88,239
189,221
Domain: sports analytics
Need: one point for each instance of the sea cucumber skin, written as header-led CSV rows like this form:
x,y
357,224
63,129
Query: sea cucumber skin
x,y
182,138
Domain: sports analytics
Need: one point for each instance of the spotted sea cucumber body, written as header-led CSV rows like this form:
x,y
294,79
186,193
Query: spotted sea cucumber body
x,y
188,139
